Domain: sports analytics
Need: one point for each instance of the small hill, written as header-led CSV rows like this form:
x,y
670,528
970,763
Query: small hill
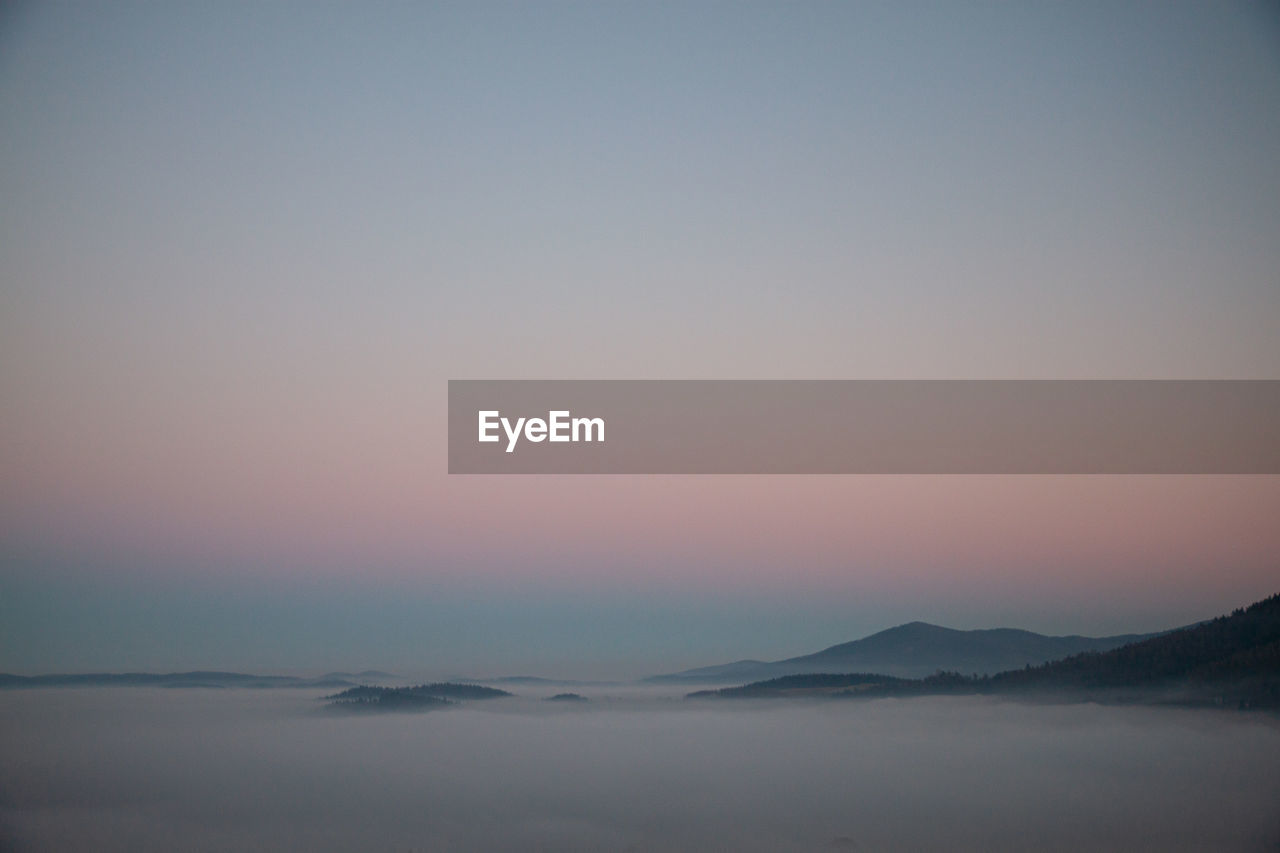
x,y
567,697
422,697
809,684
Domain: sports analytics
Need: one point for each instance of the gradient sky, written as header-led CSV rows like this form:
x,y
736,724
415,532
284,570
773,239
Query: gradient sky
x,y
244,245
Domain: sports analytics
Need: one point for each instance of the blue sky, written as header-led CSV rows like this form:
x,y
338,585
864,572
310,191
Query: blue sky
x,y
244,245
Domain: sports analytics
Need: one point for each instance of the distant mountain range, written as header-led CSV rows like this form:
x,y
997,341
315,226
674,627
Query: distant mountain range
x,y
536,680
1231,661
914,650
185,679
363,675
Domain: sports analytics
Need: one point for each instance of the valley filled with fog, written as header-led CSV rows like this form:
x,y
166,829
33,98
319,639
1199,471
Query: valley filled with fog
x,y
636,768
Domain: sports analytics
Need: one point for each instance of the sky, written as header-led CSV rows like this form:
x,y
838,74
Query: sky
x,y
243,247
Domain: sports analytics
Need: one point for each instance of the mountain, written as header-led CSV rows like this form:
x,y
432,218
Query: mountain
x,y
914,650
1229,661
536,680
1233,659
363,675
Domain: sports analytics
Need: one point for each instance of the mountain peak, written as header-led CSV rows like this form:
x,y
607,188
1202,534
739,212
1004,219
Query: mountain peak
x,y
916,649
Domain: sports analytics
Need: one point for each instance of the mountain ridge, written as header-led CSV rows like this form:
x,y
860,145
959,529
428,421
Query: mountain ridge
x,y
193,678
913,650
1230,661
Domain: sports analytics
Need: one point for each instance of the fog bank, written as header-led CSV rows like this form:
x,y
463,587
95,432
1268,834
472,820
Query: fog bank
x,y
155,769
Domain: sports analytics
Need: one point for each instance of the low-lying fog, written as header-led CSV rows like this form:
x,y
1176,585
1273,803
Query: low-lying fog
x,y
138,768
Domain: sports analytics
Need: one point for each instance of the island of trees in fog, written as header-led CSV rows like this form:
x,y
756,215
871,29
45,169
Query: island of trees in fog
x,y
422,697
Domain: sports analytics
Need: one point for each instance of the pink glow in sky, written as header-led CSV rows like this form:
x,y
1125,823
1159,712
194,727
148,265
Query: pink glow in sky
x,y
241,254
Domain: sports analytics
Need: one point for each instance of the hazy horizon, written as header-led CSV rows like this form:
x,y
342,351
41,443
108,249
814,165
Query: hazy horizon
x,y
560,669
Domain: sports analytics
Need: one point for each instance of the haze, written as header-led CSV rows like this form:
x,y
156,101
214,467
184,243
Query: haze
x,y
110,769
